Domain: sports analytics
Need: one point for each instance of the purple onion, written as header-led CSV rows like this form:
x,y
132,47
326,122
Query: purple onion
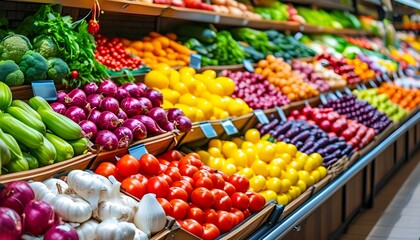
x,y
109,104
122,94
132,89
89,129
122,115
90,88
167,126
173,113
142,87
183,124
131,106
158,114
124,135
137,128
76,97
61,232
11,225
39,217
150,124
94,116
94,100
107,88
61,96
76,114
58,107
145,104
108,121
155,97
16,195
107,140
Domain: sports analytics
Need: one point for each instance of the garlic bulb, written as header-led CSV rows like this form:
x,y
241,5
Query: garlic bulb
x,y
114,205
42,192
140,235
88,186
150,216
51,184
129,201
71,208
87,231
111,229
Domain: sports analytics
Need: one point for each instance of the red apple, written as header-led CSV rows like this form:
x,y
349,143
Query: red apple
x,y
318,118
294,113
325,125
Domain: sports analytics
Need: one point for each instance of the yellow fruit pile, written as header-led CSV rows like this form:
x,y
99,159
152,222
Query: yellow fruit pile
x,y
201,96
275,170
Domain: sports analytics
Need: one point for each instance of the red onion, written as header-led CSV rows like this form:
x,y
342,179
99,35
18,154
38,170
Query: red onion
x,y
89,129
124,135
108,120
39,217
107,140
90,88
61,96
183,124
94,116
94,100
16,195
76,97
109,104
121,94
132,89
61,232
107,88
10,224
137,128
142,87
145,104
58,107
167,126
76,114
158,114
122,115
131,106
173,113
155,97
150,124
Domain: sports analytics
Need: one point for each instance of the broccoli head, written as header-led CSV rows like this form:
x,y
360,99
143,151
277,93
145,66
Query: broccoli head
x,y
13,47
46,47
34,66
57,69
10,73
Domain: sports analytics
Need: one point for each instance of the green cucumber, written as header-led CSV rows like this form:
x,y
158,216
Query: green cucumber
x,y
64,149
45,154
13,146
21,132
17,165
5,154
60,125
79,146
38,102
27,119
24,106
31,160
5,96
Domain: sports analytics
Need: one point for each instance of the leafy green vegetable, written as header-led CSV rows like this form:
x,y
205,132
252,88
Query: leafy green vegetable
x,y
34,66
13,47
46,47
57,69
10,73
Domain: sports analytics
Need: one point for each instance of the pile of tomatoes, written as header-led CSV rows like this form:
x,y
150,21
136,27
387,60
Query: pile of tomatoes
x,y
112,54
204,201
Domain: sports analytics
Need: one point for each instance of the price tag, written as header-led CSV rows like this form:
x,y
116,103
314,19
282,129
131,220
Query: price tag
x,y
262,118
379,78
137,151
394,75
208,130
195,61
281,114
339,94
359,87
400,71
347,90
387,79
229,127
298,36
45,89
307,103
373,84
248,65
332,96
363,86
323,99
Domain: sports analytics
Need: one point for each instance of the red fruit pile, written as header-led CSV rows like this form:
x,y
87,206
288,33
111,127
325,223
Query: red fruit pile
x,y
340,67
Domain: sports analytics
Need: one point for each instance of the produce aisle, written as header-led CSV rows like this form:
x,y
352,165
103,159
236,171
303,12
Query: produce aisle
x,y
185,119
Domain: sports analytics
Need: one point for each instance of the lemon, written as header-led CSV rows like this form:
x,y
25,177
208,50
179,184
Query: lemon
x,y
267,153
278,162
215,88
229,148
240,158
227,84
206,107
229,168
302,185
247,145
224,104
295,165
199,115
251,155
260,168
188,99
281,147
285,185
252,135
274,171
317,157
180,87
301,158
322,170
216,163
210,73
269,195
229,160
257,183
204,156
238,141
201,90
274,184
174,78
305,177
223,115
316,175
188,111
217,143
286,157
295,191
291,150
235,108
191,83
292,175
215,152
187,71
247,172
156,79
170,95
163,68
282,199
310,164
166,104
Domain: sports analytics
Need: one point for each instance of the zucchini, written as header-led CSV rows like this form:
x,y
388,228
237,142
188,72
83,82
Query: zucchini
x,y
17,165
60,125
27,119
31,160
5,154
21,132
79,146
38,102
45,154
13,146
64,149
24,106
5,96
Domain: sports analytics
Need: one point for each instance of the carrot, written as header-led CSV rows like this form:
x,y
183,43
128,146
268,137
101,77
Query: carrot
x,y
180,48
184,58
171,36
138,45
154,35
164,41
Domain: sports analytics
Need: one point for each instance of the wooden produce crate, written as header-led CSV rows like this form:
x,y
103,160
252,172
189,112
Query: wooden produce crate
x,y
43,173
338,167
385,133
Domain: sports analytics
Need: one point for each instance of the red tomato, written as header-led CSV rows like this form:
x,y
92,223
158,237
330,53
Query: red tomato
x,y
210,231
177,193
200,174
163,161
173,173
229,188
163,167
222,203
166,177
133,187
192,226
240,200
128,165
166,205
171,155
202,197
180,209
187,170
224,176
247,213
235,218
207,168
143,179
197,214
173,164
184,185
204,182
211,216
158,186
74,74
225,221
149,165
239,213
240,182
190,160
218,193
218,181
188,179
107,169
256,201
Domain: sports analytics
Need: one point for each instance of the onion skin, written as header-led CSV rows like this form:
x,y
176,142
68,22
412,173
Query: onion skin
x,y
122,115
108,121
94,116
61,96
131,106
122,94
167,126
76,114
183,124
107,88
76,97
89,129
107,140
109,104
58,107
155,97
11,225
133,90
146,104
90,88
94,100
142,87
158,114
137,128
39,217
124,135
61,232
173,113
16,195
150,124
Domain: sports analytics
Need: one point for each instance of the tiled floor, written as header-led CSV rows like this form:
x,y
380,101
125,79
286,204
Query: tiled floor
x,y
396,211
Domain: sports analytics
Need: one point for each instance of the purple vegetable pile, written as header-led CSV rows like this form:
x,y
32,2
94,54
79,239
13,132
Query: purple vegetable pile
x,y
113,116
308,74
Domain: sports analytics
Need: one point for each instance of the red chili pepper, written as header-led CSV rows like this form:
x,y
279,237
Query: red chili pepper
x,y
93,27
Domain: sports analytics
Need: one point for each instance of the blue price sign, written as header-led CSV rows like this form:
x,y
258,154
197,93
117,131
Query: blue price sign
x,y
332,96
379,79
307,103
359,87
229,127
373,84
248,65
137,151
339,94
281,114
208,130
195,61
45,89
347,90
262,118
323,99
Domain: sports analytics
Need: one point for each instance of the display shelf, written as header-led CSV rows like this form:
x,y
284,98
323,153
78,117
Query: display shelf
x,y
330,4
305,210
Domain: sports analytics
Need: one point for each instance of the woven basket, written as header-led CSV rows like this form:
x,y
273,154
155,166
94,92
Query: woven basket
x,y
338,167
